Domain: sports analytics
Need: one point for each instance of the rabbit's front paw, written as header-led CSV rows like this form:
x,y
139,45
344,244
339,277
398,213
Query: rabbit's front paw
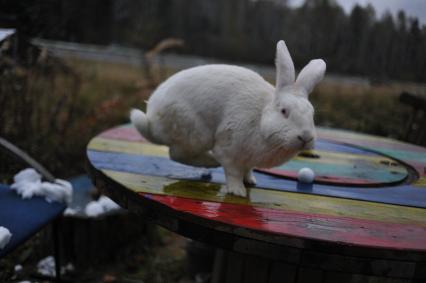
x,y
237,189
234,189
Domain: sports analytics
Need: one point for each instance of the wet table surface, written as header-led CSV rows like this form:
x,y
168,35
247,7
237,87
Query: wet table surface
x,y
368,197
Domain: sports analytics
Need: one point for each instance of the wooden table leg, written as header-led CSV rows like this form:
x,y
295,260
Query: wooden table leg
x,y
233,267
237,268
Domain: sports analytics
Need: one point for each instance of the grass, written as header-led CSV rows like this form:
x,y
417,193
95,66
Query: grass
x,y
53,115
369,109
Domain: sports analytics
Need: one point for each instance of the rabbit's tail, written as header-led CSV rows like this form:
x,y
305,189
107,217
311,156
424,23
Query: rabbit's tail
x,y
141,123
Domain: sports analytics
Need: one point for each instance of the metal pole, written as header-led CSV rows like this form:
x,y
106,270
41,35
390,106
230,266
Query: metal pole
x,y
28,159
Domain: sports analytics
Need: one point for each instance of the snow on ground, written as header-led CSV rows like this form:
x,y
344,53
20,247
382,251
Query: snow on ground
x,y
5,236
18,268
101,206
93,208
71,211
28,184
46,267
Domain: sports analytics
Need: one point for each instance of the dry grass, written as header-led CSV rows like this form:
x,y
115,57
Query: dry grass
x,y
370,109
52,114
107,91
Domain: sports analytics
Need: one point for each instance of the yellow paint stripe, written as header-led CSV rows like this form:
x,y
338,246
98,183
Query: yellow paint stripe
x,y
297,202
421,182
110,145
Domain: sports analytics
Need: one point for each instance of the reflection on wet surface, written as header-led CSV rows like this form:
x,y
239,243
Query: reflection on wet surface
x,y
261,198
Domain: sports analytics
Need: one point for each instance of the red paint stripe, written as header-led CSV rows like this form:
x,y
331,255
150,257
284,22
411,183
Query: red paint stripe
x,y
327,179
350,231
123,133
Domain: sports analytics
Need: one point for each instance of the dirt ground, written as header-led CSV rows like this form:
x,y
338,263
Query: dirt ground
x,y
163,260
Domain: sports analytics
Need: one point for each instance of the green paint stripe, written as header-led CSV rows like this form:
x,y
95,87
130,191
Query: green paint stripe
x,y
404,155
367,171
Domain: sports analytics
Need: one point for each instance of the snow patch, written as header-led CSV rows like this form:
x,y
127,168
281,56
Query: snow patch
x,y
71,211
5,236
27,184
46,267
18,268
101,206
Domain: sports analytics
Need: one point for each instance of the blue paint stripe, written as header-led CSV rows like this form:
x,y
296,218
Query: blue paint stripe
x,y
159,166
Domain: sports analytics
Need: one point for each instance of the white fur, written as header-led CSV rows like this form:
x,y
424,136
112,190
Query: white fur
x,y
228,115
285,67
140,121
311,75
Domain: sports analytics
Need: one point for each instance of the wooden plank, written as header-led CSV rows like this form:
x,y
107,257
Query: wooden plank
x,y
419,157
158,166
421,182
308,275
118,139
234,231
126,132
340,166
288,253
219,267
343,175
123,146
333,262
361,278
420,273
255,269
273,199
337,277
234,268
349,231
282,273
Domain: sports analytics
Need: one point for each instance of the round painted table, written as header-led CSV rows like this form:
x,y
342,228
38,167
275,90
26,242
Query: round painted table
x,y
364,218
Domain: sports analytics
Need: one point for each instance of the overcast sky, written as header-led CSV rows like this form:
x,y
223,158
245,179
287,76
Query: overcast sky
x,y
415,8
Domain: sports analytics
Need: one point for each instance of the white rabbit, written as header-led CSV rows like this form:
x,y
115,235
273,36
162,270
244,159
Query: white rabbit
x,y
228,115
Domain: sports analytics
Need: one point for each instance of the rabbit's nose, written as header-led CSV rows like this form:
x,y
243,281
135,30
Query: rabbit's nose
x,y
306,137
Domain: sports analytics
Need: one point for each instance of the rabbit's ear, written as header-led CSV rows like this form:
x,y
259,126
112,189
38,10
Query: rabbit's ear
x,y
310,75
284,65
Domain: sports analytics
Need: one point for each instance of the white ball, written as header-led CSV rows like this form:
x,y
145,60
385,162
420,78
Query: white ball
x,y
306,175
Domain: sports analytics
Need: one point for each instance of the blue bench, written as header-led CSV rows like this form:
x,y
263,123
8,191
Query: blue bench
x,y
25,217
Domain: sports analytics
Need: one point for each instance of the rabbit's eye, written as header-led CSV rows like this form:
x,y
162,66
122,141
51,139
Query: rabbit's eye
x,y
284,112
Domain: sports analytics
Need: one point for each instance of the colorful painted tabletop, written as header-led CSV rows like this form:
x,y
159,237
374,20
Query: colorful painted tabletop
x,y
368,191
